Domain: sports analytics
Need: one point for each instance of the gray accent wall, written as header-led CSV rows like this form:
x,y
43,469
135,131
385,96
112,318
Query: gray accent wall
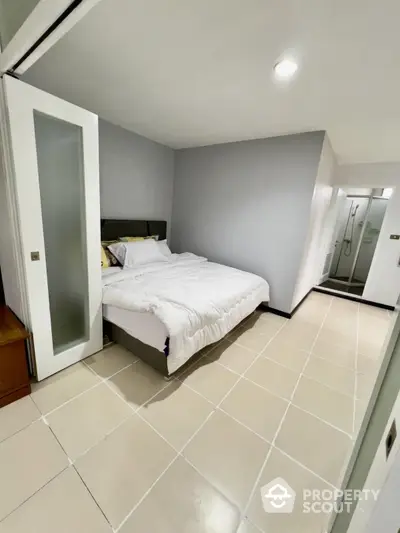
x,y
136,175
247,205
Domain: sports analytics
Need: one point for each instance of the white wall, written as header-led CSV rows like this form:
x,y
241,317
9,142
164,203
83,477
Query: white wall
x,y
369,467
136,175
10,275
386,513
383,284
316,244
10,260
247,205
12,14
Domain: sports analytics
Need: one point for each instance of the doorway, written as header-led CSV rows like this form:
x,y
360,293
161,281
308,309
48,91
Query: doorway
x,y
358,225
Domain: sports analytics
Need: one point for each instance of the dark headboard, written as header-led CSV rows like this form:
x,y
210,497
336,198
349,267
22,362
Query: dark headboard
x,y
112,228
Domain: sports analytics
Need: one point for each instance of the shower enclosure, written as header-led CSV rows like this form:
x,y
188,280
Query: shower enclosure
x,y
357,231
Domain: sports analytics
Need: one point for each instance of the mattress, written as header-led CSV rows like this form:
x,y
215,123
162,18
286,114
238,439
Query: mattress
x,y
191,301
143,326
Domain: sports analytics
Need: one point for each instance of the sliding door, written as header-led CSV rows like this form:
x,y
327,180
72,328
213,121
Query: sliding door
x,y
54,148
28,28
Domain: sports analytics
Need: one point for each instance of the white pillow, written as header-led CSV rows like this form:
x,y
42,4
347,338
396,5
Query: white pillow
x,y
139,253
118,250
164,248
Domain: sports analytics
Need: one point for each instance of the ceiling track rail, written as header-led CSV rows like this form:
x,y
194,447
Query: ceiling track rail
x,y
45,35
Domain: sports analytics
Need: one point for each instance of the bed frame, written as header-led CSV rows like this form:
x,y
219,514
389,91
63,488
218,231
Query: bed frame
x,y
114,229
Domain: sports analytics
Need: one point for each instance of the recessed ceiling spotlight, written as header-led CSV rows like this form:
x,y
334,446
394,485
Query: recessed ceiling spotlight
x,y
285,69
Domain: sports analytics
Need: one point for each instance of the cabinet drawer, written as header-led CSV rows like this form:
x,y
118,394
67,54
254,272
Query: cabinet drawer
x,y
13,367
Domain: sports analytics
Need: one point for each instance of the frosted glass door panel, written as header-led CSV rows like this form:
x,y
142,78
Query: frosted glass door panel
x,y
55,151
61,181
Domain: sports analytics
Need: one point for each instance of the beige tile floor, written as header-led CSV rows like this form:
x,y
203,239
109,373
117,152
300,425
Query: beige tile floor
x,y
109,445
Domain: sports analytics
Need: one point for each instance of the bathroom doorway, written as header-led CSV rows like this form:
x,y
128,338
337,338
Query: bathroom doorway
x,y
360,215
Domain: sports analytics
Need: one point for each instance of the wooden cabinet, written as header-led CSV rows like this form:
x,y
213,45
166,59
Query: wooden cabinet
x,y
14,374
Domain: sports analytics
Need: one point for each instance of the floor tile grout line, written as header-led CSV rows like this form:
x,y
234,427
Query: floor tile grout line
x,y
286,368
183,384
196,359
244,425
134,410
304,466
106,435
102,380
287,400
116,529
322,420
114,373
59,443
33,494
91,495
180,453
350,396
182,449
240,376
36,405
245,509
49,413
106,379
254,526
346,367
216,344
243,376
205,422
216,408
252,492
265,389
72,464
40,418
236,373
114,429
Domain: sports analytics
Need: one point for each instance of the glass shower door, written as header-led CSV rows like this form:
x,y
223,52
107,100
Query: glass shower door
x,y
54,146
373,225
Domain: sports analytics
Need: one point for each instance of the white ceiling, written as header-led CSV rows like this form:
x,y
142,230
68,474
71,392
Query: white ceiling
x,y
197,72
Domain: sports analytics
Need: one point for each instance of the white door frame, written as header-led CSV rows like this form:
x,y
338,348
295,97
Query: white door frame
x,y
45,13
22,99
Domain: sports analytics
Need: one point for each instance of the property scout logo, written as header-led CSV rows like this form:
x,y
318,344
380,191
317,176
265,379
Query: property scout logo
x,y
279,497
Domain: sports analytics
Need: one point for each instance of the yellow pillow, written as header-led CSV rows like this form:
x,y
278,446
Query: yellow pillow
x,y
132,239
107,258
105,262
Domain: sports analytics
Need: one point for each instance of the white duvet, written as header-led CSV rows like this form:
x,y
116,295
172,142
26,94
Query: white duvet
x,y
198,301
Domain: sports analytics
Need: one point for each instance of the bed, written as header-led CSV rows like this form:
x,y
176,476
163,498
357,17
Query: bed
x,y
165,313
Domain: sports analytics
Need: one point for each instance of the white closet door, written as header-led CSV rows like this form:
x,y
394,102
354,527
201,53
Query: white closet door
x,y
54,147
